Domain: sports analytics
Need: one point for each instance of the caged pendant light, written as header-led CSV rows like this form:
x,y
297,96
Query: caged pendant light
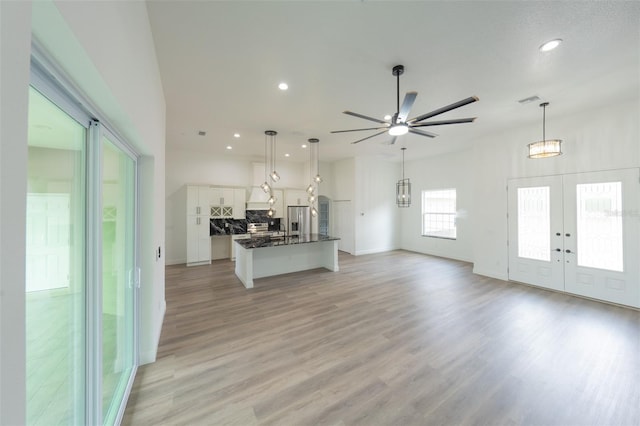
x,y
403,188
314,174
545,148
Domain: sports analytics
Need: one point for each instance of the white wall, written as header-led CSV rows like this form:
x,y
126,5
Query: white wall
x,y
376,213
444,172
602,139
15,47
607,138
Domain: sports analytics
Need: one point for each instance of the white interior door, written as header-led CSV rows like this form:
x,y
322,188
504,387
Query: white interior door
x,y
578,233
535,232
602,238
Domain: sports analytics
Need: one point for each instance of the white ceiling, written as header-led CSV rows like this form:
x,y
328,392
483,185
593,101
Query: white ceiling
x,y
221,62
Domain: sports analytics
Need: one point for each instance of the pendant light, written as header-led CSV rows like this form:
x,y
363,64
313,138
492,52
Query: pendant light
x,y
271,137
403,188
267,164
314,174
545,148
270,169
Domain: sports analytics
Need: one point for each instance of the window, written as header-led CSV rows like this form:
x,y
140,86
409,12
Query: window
x,y
439,213
534,223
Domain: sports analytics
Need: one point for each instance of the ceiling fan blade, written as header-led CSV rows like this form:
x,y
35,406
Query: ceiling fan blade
x,y
393,140
358,130
444,109
440,123
355,114
369,137
422,133
409,99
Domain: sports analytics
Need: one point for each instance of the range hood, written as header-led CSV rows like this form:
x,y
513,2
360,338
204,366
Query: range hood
x,y
258,200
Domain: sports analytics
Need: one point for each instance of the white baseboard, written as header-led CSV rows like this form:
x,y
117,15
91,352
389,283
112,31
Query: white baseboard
x,y
499,275
376,250
149,356
175,262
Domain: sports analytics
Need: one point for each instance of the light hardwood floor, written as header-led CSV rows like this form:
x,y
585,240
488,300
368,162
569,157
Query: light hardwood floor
x,y
393,338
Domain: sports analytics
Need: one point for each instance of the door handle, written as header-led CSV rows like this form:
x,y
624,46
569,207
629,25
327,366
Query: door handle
x,y
558,249
567,251
558,234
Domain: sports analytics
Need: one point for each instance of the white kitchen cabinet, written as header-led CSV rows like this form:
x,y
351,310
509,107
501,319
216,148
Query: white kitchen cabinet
x,y
239,203
222,202
198,240
198,200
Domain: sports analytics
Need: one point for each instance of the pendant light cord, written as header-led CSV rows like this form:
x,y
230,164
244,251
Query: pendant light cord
x,y
403,163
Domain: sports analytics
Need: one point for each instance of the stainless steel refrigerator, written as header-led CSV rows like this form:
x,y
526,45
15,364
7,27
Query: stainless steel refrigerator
x,y
298,220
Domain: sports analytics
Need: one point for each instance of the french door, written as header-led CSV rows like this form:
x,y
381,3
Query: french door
x,y
578,233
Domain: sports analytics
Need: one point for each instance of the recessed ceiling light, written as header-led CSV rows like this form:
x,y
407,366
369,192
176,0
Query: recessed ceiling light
x,y
286,155
236,135
283,86
229,147
550,45
387,117
304,145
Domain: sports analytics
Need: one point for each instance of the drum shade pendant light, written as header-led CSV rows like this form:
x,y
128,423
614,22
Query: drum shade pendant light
x,y
403,188
545,148
314,174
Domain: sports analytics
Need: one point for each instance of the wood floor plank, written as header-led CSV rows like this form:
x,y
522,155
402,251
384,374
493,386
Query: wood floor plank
x,y
395,338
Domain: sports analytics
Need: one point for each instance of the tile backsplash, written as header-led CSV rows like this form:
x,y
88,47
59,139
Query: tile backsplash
x,y
239,226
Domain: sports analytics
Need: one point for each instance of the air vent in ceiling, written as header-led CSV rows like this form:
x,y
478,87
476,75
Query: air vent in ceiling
x,y
534,98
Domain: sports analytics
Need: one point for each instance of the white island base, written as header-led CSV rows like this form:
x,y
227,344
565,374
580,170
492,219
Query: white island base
x,y
282,259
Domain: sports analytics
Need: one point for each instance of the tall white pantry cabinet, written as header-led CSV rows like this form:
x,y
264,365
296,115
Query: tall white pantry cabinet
x,y
198,214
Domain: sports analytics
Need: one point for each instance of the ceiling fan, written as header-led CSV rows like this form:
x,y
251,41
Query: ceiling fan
x,y
399,125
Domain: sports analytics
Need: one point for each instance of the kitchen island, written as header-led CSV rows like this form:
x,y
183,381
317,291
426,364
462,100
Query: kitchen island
x,y
265,257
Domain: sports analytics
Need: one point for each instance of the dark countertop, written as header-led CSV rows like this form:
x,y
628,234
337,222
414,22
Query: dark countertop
x,y
261,242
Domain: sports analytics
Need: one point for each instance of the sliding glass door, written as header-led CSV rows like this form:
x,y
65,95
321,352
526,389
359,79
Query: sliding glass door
x,y
81,264
55,265
118,281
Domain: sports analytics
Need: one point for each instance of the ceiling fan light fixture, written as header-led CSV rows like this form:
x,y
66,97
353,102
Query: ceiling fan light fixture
x,y
550,45
399,130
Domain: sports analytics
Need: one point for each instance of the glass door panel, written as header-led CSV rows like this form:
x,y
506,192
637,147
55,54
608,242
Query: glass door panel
x,y
118,264
55,265
534,223
599,225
